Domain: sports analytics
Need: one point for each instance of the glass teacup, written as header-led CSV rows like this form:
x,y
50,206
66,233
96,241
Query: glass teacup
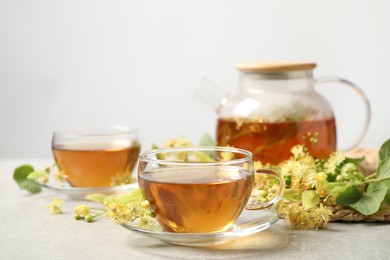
x,y
200,189
96,157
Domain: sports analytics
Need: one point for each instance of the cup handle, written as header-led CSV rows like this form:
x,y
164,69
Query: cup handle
x,y
364,98
253,205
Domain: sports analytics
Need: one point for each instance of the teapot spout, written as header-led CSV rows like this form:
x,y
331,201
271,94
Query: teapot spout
x,y
210,94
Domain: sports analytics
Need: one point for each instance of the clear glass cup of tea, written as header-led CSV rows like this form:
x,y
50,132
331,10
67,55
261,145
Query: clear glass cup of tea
x,y
96,157
200,189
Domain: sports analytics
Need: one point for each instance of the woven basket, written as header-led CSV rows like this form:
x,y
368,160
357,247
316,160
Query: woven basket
x,y
340,213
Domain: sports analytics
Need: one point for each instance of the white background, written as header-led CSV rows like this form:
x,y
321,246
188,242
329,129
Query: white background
x,y
136,63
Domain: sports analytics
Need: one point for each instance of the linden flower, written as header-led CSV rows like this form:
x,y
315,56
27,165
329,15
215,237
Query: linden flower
x,y
298,151
322,188
334,160
82,211
302,176
180,142
44,179
287,168
300,170
137,213
314,218
321,176
60,176
118,212
258,165
55,206
227,156
121,179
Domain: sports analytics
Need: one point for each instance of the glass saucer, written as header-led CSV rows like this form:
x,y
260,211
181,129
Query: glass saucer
x,y
250,222
80,193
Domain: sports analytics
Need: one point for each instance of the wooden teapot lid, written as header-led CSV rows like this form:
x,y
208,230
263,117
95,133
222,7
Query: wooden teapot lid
x,y
274,66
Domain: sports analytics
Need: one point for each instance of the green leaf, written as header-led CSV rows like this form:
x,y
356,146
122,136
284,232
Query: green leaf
x,y
384,169
384,151
331,177
291,195
20,176
97,197
387,196
336,191
203,157
310,199
370,202
36,174
287,180
355,161
349,196
22,172
135,195
207,140
30,186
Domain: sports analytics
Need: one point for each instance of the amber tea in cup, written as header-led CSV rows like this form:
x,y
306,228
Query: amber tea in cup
x,y
191,196
96,157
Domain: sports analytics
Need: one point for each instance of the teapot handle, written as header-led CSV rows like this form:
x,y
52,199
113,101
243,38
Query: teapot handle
x,y
362,95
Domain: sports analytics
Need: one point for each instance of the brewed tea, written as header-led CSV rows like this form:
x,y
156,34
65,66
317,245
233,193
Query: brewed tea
x,y
197,199
272,142
95,165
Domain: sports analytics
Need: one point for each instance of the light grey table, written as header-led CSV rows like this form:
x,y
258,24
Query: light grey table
x,y
29,231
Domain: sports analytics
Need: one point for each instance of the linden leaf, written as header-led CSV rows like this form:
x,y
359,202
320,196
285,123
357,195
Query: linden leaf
x,y
384,169
291,195
336,191
20,177
36,174
355,161
387,196
384,151
370,202
203,157
22,172
97,197
135,195
207,140
349,196
310,199
30,186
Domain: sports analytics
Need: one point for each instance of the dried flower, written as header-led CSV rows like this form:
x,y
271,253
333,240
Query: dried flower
x,y
313,218
334,160
60,176
227,156
82,211
137,213
55,206
180,142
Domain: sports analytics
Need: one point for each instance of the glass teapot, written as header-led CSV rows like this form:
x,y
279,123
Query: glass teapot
x,y
275,108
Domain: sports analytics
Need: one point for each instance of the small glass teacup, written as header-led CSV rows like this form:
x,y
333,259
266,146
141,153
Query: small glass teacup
x,y
200,189
96,157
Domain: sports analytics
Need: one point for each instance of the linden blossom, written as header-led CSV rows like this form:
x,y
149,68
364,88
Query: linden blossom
x,y
336,180
55,206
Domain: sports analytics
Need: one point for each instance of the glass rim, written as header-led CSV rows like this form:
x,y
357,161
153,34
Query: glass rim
x,y
144,157
93,132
